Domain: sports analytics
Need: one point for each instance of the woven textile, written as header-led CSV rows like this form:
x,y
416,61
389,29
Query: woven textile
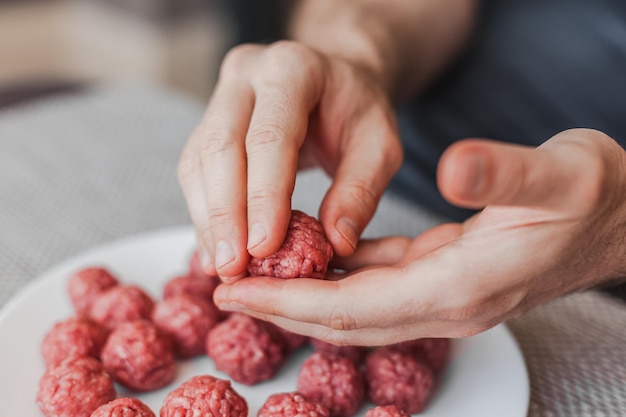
x,y
80,170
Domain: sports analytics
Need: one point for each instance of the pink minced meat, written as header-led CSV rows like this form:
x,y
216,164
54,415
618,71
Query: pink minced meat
x,y
304,253
139,356
292,404
85,285
202,287
121,304
187,320
386,411
204,396
435,351
76,336
74,388
246,349
124,407
292,341
354,353
398,378
334,381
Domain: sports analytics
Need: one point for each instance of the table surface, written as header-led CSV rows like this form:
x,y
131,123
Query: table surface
x,y
83,169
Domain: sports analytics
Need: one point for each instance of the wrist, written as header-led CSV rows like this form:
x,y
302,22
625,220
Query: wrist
x,y
356,38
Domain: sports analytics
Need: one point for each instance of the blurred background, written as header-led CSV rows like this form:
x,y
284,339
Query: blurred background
x,y
52,45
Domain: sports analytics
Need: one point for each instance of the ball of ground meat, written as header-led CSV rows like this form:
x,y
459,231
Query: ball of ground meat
x,y
398,378
121,304
292,404
77,336
204,396
85,285
74,388
123,407
334,381
386,411
291,341
245,349
139,356
304,253
191,285
354,353
435,351
187,320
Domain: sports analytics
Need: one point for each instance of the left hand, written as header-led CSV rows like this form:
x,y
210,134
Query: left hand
x,y
552,223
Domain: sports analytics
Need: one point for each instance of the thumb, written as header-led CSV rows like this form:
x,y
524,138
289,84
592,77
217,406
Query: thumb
x,y
567,171
371,156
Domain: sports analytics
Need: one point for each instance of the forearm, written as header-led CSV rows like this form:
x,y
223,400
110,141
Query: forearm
x,y
404,43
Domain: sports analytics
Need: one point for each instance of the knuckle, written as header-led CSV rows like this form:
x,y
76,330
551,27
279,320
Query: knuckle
x,y
289,59
267,133
236,59
186,169
341,320
215,145
363,193
219,215
290,50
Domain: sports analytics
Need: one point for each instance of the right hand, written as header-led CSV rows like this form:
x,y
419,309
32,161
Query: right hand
x,y
275,109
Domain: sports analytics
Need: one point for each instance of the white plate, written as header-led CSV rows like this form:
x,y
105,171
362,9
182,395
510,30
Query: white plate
x,y
486,376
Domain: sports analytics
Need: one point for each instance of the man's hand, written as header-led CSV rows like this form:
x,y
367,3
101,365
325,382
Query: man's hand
x,y
553,223
276,108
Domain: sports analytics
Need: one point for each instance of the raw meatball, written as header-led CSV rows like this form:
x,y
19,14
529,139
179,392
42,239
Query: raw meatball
x,y
191,285
139,356
292,341
334,381
124,407
121,304
246,349
304,253
85,285
76,336
204,396
187,320
292,404
398,378
354,353
386,411
74,388
435,351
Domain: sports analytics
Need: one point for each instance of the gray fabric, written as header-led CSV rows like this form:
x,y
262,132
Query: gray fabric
x,y
81,170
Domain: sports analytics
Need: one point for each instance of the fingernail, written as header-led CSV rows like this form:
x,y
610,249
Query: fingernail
x,y
231,306
347,229
257,235
223,254
472,168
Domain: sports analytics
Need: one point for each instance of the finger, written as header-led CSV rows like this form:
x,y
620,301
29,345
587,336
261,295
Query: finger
x,y
571,165
371,157
277,130
361,337
432,239
384,251
375,298
191,181
206,262
222,153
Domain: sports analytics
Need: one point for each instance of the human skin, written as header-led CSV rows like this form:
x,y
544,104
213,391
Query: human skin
x,y
323,99
551,219
553,223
